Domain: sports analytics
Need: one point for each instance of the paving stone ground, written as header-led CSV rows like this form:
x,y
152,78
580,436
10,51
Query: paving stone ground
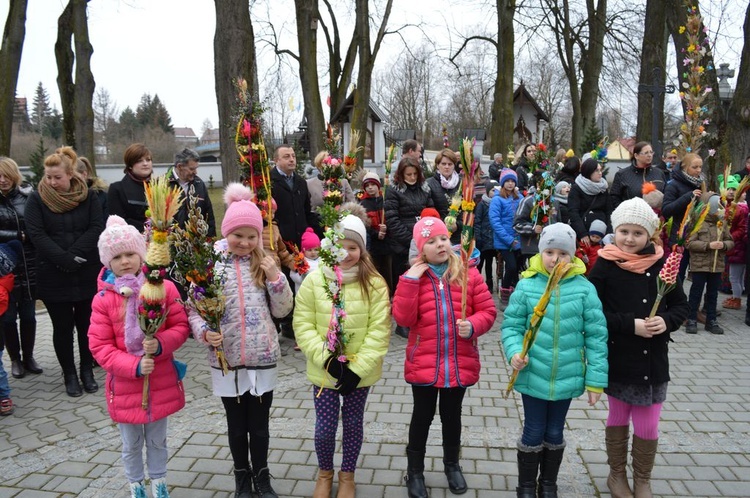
x,y
57,446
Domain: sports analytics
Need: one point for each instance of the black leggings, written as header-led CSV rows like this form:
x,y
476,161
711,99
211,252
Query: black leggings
x,y
65,317
425,399
248,416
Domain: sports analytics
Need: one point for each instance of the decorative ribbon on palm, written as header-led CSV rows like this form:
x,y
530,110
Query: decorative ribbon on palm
x,y
469,167
558,273
163,203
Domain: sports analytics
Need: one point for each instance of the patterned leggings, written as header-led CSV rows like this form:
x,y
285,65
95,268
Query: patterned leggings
x,y
327,406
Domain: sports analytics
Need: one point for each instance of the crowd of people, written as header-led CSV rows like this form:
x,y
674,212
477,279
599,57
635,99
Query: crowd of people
x,y
79,247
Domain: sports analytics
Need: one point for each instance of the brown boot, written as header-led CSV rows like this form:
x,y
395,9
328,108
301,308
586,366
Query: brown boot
x,y
617,438
644,453
324,485
346,485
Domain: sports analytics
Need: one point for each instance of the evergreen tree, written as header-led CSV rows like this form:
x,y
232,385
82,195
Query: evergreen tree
x,y
591,137
129,124
41,109
36,162
162,118
53,125
151,112
145,111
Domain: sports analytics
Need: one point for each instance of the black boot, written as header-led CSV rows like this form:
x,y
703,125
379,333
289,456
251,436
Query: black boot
x,y
549,466
28,338
89,383
72,386
528,468
456,481
415,474
17,370
243,486
31,365
263,484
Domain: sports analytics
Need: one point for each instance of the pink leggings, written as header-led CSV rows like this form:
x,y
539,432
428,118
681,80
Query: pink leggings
x,y
645,418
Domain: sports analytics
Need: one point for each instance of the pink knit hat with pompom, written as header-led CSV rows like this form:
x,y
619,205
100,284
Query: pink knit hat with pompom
x,y
241,210
119,237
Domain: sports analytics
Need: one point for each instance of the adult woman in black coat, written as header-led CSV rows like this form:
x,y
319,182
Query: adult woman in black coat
x,y
443,186
589,200
127,198
628,182
64,221
22,303
404,201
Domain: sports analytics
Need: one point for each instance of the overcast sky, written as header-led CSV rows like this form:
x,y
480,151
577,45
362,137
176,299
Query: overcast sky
x,y
165,47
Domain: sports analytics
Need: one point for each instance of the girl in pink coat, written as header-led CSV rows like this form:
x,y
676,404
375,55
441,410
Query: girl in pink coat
x,y
119,346
442,357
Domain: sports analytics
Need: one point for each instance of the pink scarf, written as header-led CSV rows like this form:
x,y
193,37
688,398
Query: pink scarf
x,y
636,263
129,286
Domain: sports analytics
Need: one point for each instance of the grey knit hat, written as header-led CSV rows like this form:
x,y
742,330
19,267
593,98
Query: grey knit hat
x,y
558,236
598,227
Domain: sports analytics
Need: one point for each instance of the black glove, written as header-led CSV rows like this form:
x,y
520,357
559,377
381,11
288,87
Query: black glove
x,y
334,367
348,383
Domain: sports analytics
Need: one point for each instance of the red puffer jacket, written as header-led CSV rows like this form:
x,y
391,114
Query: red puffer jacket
x,y
739,235
436,355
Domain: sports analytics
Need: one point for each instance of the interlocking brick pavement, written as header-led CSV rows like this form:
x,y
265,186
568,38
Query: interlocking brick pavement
x,y
57,446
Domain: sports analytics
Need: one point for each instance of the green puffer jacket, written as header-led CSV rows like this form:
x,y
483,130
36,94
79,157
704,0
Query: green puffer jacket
x,y
570,351
367,325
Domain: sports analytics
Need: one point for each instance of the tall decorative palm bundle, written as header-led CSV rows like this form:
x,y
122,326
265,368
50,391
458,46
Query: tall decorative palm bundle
x,y
558,273
469,167
195,263
350,159
163,203
387,179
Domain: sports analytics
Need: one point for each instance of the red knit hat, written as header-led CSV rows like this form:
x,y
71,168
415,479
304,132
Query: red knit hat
x,y
429,212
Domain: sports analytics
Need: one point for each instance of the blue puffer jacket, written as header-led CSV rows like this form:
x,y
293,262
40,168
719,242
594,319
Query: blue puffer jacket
x,y
502,213
570,351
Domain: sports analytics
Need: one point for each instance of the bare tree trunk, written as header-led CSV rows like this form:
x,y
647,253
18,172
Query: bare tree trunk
x,y
653,54
501,127
307,17
84,83
234,57
591,64
10,63
367,55
738,122
65,60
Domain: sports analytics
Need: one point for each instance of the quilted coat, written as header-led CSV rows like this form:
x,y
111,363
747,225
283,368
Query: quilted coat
x,y
429,306
124,388
403,207
250,336
570,350
502,213
739,235
367,326
701,257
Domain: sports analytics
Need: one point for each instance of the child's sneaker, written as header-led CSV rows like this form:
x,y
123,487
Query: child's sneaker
x,y
159,488
6,407
714,328
138,490
691,327
732,303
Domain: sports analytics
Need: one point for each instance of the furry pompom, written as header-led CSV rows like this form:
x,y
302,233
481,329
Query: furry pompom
x,y
114,221
357,210
237,192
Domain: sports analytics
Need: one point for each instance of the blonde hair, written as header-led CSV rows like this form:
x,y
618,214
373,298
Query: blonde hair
x,y
455,271
64,156
256,258
9,169
318,161
367,275
689,158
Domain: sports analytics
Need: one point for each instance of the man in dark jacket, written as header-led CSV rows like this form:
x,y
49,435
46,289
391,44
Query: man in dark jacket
x,y
496,167
290,192
184,173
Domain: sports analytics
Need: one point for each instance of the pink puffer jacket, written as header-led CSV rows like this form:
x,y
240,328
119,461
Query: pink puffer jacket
x,y
436,355
124,388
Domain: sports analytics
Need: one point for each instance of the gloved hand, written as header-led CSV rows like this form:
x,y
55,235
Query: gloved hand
x,y
334,367
348,383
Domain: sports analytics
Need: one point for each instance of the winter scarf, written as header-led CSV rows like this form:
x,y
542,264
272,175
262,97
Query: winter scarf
x,y
451,182
62,202
635,263
589,187
691,180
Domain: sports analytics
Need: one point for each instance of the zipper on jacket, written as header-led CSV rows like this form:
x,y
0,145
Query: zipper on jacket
x,y
555,341
446,336
241,296
413,351
112,389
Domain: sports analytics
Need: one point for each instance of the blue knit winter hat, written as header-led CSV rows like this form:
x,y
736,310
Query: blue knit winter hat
x,y
507,174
